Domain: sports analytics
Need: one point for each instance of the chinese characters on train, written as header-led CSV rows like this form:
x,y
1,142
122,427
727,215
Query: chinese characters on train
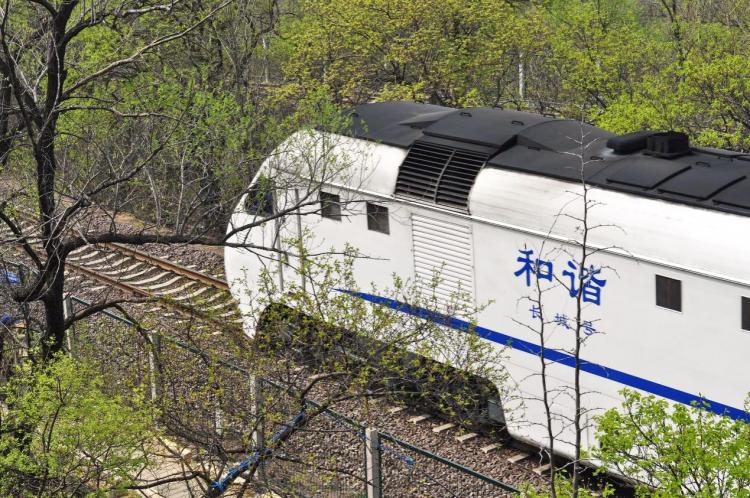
x,y
586,281
568,323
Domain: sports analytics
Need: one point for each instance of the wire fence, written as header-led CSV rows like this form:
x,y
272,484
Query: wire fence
x,y
356,462
431,476
298,469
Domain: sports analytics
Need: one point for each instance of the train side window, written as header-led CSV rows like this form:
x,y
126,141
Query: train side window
x,y
377,218
745,313
259,199
668,293
330,206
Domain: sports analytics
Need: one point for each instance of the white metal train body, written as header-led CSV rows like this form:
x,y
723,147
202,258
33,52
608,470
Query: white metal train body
x,y
524,194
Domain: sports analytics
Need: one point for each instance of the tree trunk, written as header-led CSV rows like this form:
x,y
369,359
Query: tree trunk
x,y
5,139
54,313
54,335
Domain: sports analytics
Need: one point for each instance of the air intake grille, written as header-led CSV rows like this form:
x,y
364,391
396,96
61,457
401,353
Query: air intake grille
x,y
439,173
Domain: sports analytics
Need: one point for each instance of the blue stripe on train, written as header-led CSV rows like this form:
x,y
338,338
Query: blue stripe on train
x,y
557,356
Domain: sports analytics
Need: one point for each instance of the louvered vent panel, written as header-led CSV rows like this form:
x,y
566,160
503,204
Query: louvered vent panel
x,y
421,170
439,173
443,247
458,178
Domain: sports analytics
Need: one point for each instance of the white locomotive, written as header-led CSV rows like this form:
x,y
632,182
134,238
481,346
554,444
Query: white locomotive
x,y
494,199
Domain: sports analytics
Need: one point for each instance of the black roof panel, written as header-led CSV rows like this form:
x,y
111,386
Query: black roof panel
x,y
448,147
547,163
382,121
738,195
701,182
484,126
645,172
563,135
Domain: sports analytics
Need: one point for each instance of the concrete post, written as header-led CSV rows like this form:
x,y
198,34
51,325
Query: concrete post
x,y
259,436
372,463
70,339
152,368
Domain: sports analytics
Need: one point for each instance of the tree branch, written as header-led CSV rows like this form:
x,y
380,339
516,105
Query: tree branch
x,y
138,53
178,477
98,307
44,3
22,240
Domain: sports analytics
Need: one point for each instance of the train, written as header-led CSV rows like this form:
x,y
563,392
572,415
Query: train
x,y
637,243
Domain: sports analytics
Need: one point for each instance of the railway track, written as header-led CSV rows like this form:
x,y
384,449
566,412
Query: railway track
x,y
134,272
184,290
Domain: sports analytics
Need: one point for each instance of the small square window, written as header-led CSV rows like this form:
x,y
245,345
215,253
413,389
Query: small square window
x,y
746,313
330,206
669,293
260,199
377,218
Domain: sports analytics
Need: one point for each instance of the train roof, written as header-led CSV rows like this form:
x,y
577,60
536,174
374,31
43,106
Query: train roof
x,y
448,147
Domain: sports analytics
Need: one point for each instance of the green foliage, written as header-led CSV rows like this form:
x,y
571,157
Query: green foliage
x,y
564,489
63,434
630,67
624,64
676,450
597,50
388,352
450,52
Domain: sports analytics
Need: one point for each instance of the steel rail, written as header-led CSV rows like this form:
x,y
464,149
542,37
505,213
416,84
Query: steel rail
x,y
167,265
184,310
152,260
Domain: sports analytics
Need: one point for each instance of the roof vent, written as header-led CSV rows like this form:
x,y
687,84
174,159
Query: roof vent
x,y
668,144
439,173
630,142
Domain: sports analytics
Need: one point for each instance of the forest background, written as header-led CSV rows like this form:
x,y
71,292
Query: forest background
x,y
220,98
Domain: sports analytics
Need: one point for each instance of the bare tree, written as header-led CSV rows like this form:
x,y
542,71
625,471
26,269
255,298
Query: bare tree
x,y
60,93
582,281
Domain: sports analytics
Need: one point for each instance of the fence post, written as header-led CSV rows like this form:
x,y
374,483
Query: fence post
x,y
218,419
70,338
152,368
372,459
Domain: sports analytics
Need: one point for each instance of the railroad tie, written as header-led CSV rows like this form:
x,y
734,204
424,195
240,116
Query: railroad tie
x,y
110,265
419,418
542,469
148,280
465,437
162,285
490,447
144,269
100,261
197,293
222,304
443,428
125,270
84,257
176,290
518,457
